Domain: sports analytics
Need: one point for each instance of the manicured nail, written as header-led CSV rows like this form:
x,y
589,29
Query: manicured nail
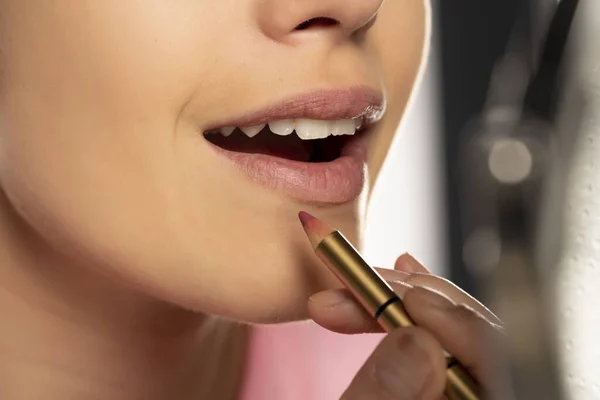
x,y
411,263
434,298
330,298
393,275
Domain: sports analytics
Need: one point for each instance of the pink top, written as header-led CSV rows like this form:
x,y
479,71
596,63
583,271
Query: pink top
x,y
301,361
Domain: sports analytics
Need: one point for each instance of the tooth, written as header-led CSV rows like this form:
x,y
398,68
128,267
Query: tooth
x,y
308,129
343,127
358,122
283,127
252,131
227,131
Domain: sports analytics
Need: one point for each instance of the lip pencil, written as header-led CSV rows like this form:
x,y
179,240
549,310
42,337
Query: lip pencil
x,y
376,296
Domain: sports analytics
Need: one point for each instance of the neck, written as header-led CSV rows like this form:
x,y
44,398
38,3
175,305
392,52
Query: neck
x,y
70,333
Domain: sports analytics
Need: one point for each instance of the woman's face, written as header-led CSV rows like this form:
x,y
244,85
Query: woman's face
x,y
103,109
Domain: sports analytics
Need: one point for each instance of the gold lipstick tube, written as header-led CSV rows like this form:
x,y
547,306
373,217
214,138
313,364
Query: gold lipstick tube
x,y
380,301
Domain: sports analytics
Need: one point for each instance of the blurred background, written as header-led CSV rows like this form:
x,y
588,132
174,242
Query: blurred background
x,y
415,207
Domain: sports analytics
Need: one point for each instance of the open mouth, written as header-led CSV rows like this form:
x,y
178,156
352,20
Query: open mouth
x,y
311,147
311,141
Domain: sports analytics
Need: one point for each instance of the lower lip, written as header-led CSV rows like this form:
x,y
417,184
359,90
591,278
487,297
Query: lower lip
x,y
336,182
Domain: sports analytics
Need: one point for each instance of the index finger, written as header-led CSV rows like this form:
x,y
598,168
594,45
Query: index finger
x,y
419,276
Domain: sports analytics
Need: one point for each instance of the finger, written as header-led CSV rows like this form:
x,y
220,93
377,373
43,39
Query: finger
x,y
338,311
462,331
408,263
406,365
439,284
453,292
422,277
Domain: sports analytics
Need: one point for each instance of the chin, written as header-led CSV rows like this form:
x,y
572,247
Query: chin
x,y
266,278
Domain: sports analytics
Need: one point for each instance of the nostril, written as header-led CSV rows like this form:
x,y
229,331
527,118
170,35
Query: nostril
x,y
319,22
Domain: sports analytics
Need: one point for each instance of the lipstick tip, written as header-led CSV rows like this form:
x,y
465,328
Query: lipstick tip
x,y
315,229
305,218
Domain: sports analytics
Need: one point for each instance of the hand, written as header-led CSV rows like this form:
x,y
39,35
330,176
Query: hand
x,y
409,364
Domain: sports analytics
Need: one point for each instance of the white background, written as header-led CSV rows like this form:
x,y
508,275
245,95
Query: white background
x,y
406,211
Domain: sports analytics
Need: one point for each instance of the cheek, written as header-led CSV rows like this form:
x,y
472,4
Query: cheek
x,y
89,107
88,114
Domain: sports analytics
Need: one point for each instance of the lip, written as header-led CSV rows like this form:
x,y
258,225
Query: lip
x,y
328,183
353,102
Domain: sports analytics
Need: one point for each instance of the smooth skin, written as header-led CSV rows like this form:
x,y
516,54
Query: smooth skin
x,y
131,258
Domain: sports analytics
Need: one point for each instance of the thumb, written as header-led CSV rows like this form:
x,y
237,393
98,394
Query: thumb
x,y
408,364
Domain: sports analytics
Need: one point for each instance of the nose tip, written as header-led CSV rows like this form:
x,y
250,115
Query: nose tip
x,y
283,19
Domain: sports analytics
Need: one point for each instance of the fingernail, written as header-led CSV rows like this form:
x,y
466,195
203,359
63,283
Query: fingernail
x,y
412,265
434,298
393,275
329,298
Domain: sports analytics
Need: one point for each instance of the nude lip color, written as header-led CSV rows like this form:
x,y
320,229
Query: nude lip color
x,y
336,182
326,104
376,296
327,183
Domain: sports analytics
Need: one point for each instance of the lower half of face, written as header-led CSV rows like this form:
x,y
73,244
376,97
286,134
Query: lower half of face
x,y
129,136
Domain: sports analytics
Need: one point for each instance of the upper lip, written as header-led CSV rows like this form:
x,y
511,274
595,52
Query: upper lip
x,y
330,104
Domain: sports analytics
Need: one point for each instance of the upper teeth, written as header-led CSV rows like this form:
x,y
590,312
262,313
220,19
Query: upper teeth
x,y
252,131
306,129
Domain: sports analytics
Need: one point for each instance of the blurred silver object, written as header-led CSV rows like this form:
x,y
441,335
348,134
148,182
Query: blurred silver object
x,y
514,160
